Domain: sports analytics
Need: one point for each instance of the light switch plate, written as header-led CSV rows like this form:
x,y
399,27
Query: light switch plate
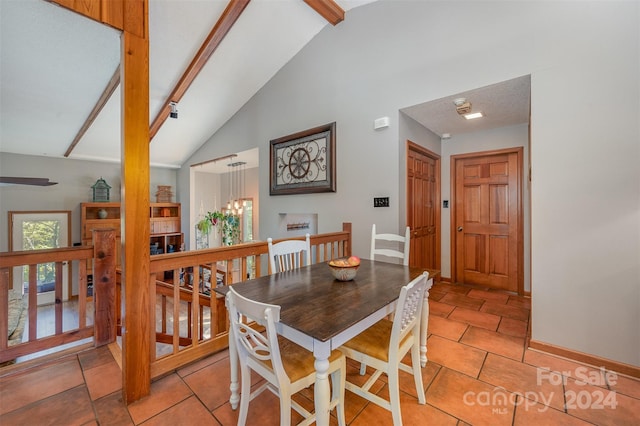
x,y
381,202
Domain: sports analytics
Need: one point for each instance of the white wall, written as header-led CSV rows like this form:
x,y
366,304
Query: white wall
x,y
583,60
211,192
74,177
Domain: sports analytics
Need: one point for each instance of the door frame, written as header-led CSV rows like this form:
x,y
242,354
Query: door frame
x,y
412,146
519,151
67,269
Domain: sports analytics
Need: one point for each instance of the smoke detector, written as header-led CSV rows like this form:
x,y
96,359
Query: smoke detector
x,y
462,106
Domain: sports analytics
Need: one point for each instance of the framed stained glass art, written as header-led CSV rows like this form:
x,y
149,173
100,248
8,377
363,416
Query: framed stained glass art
x,y
304,162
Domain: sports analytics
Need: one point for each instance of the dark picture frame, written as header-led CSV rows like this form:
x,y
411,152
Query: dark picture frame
x,y
304,162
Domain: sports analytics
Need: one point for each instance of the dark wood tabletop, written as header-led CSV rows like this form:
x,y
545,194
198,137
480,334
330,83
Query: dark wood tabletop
x,y
316,304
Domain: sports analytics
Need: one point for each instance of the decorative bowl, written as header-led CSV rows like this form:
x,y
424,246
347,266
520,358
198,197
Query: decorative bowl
x,y
342,271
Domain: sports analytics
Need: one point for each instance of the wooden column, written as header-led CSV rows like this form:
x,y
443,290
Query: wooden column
x,y
136,314
130,16
104,286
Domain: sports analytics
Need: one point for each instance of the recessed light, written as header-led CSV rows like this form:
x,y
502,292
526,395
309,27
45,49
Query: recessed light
x,y
473,115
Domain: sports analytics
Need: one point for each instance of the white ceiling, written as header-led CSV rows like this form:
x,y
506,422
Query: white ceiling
x,y
55,64
502,104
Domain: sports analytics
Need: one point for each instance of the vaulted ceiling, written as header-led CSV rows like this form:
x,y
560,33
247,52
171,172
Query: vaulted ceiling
x,y
59,86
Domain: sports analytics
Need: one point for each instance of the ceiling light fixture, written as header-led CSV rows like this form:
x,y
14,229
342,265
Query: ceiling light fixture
x,y
473,115
174,110
463,107
236,188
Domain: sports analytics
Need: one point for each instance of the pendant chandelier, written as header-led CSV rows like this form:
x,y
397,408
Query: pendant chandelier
x,y
236,187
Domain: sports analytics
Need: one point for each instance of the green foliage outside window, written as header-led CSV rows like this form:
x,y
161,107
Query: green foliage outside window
x,y
39,235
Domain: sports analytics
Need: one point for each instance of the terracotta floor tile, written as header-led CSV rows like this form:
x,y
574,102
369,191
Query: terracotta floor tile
x,y
35,384
532,413
211,384
190,410
407,383
263,410
625,385
470,400
103,379
462,300
497,343
95,357
446,328
600,406
440,309
513,327
412,414
565,367
520,302
451,288
474,376
488,295
111,411
456,356
507,311
164,393
71,407
479,319
198,365
436,295
523,379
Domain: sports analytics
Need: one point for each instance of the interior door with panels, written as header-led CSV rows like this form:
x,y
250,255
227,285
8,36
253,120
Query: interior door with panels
x,y
423,200
488,219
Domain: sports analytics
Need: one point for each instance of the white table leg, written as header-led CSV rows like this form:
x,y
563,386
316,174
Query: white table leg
x,y
425,324
321,392
234,399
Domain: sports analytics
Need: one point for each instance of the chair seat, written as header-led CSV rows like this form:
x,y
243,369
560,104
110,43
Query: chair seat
x,y
374,341
296,360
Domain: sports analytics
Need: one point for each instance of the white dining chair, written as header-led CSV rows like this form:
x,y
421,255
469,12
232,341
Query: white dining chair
x,y
289,254
381,245
384,344
286,367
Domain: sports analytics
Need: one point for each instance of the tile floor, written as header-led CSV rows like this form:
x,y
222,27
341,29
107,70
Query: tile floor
x,y
479,373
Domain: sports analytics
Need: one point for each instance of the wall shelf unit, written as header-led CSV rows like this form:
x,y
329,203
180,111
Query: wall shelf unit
x,y
164,222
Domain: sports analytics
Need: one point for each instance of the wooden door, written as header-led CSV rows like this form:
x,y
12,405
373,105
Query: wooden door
x,y
487,225
423,202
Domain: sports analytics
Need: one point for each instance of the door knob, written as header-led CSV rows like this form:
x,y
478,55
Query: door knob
x,y
459,228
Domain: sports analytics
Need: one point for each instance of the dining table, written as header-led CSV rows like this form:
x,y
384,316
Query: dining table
x,y
321,313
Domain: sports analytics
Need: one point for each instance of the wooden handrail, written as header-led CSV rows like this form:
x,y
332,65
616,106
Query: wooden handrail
x,y
101,255
193,344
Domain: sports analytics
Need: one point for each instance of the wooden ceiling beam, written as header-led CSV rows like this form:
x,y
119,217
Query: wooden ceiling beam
x,y
104,98
329,10
211,43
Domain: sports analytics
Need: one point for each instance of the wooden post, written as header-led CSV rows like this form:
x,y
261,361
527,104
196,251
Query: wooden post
x,y
346,227
104,286
4,306
139,327
130,16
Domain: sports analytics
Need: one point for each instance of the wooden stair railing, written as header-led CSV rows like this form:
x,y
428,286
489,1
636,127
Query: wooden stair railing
x,y
103,328
203,316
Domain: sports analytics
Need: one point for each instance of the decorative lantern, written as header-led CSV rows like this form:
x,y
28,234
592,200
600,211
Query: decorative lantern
x,y
100,190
